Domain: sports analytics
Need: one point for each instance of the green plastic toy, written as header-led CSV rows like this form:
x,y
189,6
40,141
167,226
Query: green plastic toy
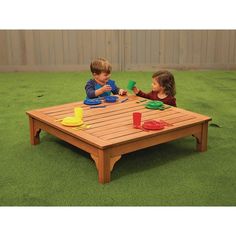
x,y
155,105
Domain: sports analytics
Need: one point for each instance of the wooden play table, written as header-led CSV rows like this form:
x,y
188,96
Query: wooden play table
x,y
109,132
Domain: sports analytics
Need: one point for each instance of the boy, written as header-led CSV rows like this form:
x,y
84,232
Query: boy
x,y
101,85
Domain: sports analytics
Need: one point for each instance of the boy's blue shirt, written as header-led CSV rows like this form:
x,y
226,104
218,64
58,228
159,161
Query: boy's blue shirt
x,y
92,85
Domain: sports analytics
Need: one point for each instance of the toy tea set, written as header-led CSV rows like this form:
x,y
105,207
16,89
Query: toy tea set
x,y
77,119
109,99
97,101
149,124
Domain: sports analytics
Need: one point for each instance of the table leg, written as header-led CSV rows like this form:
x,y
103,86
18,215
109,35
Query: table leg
x,y
202,137
104,173
112,160
34,131
104,164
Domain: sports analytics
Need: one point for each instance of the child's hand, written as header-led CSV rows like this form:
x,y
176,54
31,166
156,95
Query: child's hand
x,y
135,90
122,92
106,88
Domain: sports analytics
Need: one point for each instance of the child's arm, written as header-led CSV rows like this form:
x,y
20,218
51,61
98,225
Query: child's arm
x,y
102,90
92,93
122,92
90,89
140,93
135,90
115,89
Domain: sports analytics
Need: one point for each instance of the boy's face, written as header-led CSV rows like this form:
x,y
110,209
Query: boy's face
x,y
102,78
155,85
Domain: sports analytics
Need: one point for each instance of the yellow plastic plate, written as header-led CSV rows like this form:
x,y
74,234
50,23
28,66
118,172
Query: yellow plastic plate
x,y
71,121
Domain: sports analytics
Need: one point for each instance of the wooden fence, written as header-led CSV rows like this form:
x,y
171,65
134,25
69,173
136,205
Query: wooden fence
x,y
127,50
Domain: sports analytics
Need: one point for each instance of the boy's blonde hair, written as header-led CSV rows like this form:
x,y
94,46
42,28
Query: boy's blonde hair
x,y
166,80
100,65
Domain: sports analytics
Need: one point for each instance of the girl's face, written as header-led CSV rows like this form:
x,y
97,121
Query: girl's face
x,y
102,78
155,85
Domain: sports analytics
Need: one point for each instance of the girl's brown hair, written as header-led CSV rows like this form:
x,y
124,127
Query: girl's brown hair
x,y
100,65
166,80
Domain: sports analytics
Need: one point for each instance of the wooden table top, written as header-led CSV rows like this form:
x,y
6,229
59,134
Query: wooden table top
x,y
113,125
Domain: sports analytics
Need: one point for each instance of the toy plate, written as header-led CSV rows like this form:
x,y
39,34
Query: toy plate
x,y
155,105
71,121
154,108
153,125
95,101
111,98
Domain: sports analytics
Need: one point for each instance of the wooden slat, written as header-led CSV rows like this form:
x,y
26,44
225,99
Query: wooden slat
x,y
37,47
169,46
3,48
10,48
203,53
18,47
46,48
80,47
122,113
155,46
197,45
70,54
211,46
221,50
121,57
101,38
109,124
137,135
144,142
86,47
134,47
94,53
162,47
130,130
176,50
108,45
98,131
148,49
29,47
80,134
69,106
232,47
58,47
127,49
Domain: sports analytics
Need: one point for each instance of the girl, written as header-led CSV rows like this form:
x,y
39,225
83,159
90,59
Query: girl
x,y
163,88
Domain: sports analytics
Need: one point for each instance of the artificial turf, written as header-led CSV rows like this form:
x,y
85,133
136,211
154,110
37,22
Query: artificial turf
x,y
55,173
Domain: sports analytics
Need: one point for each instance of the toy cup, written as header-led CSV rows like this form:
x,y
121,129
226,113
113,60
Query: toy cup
x,y
78,113
131,84
137,119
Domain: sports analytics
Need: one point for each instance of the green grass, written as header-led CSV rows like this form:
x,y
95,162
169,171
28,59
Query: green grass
x,y
55,173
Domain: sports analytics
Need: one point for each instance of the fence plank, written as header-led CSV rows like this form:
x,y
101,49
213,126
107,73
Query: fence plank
x,y
232,46
155,47
196,47
211,46
3,48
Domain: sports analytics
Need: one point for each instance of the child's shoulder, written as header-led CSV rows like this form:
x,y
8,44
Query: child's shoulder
x,y
91,81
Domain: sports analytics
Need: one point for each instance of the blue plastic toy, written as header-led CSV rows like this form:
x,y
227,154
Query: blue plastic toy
x,y
94,101
111,98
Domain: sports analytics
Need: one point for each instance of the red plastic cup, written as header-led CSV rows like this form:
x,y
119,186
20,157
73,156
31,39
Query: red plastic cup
x,y
137,119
